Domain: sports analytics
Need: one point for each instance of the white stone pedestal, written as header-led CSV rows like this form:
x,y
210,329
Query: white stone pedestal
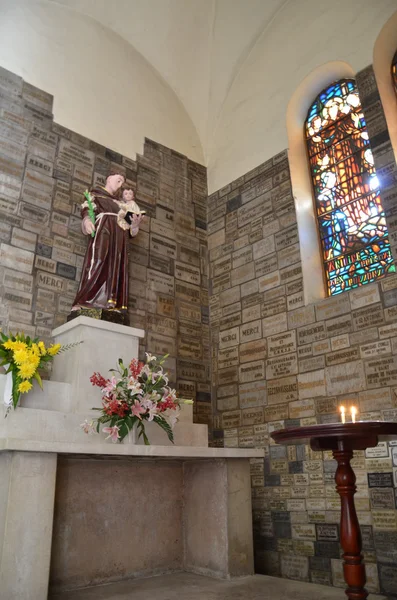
x,y
56,412
27,493
102,345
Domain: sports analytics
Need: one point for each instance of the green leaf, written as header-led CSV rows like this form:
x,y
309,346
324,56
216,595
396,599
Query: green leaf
x,y
123,429
142,433
15,393
38,379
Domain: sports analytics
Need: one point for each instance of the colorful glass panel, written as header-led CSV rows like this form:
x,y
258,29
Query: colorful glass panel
x,y
352,224
394,70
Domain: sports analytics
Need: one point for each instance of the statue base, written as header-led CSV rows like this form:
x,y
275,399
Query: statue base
x,y
102,314
104,343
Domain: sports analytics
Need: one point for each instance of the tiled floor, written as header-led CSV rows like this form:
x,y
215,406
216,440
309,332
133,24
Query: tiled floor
x,y
186,586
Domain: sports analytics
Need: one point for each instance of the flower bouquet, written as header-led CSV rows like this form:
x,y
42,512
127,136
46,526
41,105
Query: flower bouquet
x,y
22,357
133,395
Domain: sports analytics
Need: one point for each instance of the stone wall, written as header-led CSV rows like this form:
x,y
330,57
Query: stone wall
x,y
275,362
279,363
44,170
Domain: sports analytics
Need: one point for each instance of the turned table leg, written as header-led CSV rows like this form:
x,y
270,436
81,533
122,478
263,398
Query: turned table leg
x,y
350,534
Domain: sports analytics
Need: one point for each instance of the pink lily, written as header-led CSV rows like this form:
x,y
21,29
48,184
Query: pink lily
x,y
110,386
152,409
113,433
87,427
134,386
137,409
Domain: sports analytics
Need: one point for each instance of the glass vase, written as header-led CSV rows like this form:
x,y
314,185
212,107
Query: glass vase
x,y
7,395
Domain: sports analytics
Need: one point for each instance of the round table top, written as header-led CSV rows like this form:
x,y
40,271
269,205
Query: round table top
x,y
360,429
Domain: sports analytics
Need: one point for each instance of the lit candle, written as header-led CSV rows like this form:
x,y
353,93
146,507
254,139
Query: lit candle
x,y
342,412
353,411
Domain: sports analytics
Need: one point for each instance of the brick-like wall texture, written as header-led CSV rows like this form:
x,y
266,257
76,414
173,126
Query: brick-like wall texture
x,y
44,170
274,362
278,363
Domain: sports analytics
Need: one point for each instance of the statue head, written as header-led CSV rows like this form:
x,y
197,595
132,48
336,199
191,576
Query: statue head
x,y
114,182
128,195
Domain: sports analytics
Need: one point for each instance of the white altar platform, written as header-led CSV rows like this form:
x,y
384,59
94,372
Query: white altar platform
x,y
79,515
78,511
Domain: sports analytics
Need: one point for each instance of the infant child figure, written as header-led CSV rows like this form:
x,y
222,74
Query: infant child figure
x,y
130,215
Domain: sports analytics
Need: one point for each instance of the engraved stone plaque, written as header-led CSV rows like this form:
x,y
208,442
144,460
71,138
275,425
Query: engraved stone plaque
x,y
380,480
364,296
265,266
282,343
251,331
286,238
388,578
251,350
50,282
16,258
252,371
368,317
301,317
311,384
342,356
229,338
252,416
345,378
382,498
282,390
381,372
252,394
267,282
301,409
295,567
385,543
311,333
385,520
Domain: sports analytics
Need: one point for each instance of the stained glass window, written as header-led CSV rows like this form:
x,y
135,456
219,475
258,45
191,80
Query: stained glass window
x,y
394,70
351,221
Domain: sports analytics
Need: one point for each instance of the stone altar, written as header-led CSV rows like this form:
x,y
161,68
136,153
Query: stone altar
x,y
196,502
77,510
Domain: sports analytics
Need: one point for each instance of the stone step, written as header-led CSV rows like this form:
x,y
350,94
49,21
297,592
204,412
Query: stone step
x,y
57,426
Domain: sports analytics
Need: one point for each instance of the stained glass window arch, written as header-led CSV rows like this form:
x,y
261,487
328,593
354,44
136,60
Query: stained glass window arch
x,y
394,70
351,222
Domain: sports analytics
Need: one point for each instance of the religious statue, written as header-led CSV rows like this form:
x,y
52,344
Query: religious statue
x,y
109,222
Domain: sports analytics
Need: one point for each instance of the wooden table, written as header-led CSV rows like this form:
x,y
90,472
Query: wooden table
x,y
343,439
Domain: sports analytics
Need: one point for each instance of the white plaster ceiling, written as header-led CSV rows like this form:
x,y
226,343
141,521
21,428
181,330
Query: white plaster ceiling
x,y
197,46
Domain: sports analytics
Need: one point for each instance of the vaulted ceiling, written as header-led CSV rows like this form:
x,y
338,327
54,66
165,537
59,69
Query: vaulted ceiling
x,y
196,46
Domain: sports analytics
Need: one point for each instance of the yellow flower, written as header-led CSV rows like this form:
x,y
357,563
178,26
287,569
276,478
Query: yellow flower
x,y
9,345
18,345
35,349
33,359
26,370
21,356
42,348
54,349
24,387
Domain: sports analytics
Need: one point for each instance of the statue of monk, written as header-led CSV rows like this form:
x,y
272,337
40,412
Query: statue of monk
x,y
104,278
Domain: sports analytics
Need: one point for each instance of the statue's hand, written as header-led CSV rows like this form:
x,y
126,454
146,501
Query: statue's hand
x,y
136,220
87,226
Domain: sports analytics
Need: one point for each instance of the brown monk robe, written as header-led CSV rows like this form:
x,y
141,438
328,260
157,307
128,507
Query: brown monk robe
x,y
104,278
